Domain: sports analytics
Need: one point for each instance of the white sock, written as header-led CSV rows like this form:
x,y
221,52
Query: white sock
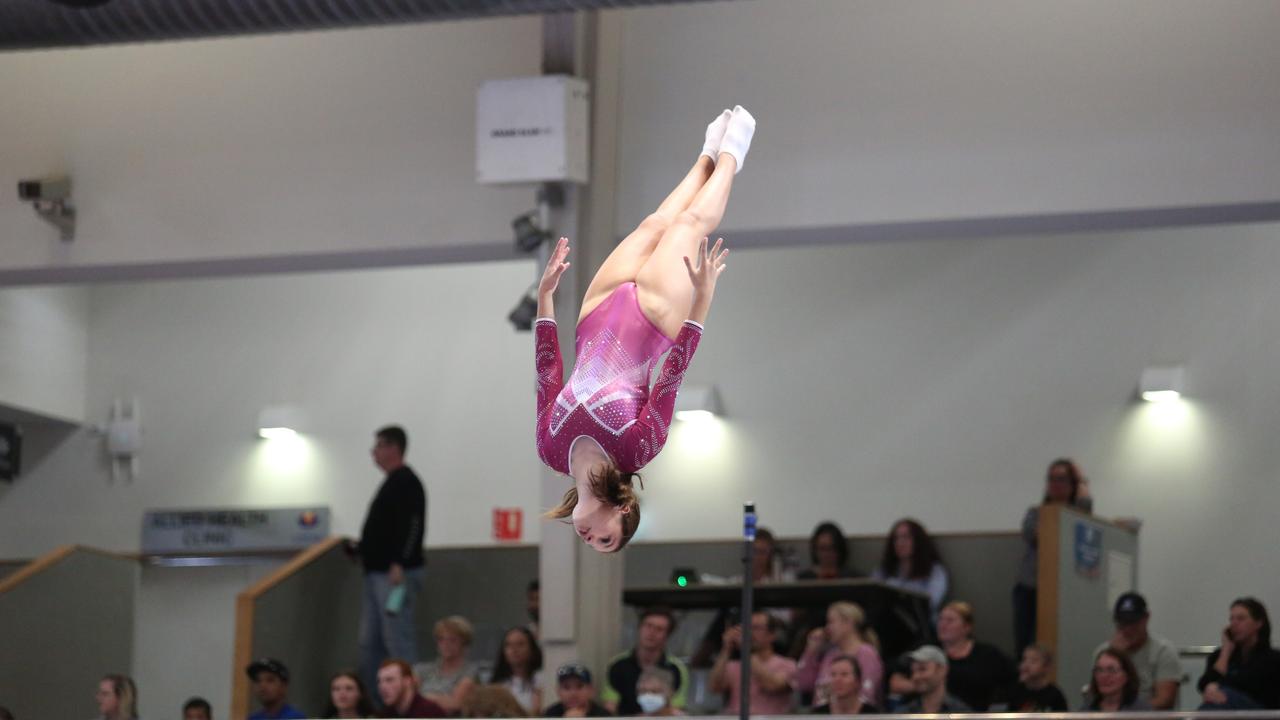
x,y
715,131
737,137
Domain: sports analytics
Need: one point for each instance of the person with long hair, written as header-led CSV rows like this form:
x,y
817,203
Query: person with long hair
x,y
911,562
117,698
1244,673
829,553
1064,485
650,297
491,701
846,635
1113,686
519,669
348,697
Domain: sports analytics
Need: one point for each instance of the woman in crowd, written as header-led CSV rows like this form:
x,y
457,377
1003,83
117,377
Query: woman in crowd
x,y
448,679
911,562
845,690
1114,687
649,298
654,689
829,553
1243,674
979,674
846,634
1064,485
117,698
519,669
491,701
1034,692
348,697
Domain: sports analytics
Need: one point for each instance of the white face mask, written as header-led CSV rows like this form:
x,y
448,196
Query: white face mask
x,y
651,702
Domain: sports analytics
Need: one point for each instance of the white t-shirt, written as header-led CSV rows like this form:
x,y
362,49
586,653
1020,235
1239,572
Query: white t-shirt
x,y
1156,661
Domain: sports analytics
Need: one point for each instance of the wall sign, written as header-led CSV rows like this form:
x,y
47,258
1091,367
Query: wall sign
x,y
508,524
233,530
1088,550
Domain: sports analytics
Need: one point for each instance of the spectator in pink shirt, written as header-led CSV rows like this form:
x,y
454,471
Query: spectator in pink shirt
x,y
771,674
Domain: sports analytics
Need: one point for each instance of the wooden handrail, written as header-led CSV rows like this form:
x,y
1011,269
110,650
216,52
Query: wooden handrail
x,y
243,652
48,560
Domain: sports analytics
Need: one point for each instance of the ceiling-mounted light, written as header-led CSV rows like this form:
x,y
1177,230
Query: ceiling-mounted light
x,y
1162,383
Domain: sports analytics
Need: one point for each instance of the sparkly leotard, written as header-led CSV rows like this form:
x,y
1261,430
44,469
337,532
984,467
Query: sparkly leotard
x,y
607,397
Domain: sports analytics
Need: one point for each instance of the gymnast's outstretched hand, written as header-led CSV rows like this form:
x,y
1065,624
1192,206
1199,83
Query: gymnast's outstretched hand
x,y
703,274
556,266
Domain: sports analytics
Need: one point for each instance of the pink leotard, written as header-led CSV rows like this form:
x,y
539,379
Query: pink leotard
x,y
607,397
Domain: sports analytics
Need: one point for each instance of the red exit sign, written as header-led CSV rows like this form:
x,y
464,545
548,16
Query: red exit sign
x,y
508,524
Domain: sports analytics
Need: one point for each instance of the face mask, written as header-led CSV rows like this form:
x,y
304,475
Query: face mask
x,y
651,702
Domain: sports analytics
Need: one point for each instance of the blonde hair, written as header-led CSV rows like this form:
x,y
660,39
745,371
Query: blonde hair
x,y
456,625
964,610
613,487
854,615
491,701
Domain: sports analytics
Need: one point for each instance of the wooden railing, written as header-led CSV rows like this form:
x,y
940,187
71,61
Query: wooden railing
x,y
48,560
245,607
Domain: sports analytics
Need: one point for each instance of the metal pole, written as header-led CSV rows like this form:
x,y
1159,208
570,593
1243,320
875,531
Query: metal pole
x,y
744,652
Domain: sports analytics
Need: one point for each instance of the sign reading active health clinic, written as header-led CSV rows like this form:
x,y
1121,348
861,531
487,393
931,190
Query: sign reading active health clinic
x,y
233,530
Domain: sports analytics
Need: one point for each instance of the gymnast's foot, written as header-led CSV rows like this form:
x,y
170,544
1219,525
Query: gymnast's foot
x,y
737,137
715,132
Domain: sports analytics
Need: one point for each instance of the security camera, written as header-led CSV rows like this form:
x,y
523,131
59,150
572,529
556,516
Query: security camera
x,y
52,190
52,200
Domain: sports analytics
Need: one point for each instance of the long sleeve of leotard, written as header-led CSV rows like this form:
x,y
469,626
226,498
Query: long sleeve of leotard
x,y
644,439
550,370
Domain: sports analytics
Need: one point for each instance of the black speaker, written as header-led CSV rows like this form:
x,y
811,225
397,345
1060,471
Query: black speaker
x,y
10,451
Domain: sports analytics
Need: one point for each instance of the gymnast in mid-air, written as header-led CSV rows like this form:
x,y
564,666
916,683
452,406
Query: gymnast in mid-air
x,y
650,297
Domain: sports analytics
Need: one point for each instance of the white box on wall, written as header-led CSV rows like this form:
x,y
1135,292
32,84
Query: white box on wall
x,y
532,129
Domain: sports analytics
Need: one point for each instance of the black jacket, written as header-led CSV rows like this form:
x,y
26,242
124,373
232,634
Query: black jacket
x,y
397,521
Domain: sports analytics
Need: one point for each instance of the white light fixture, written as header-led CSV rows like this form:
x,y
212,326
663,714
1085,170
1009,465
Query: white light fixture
x,y
277,422
698,402
1161,383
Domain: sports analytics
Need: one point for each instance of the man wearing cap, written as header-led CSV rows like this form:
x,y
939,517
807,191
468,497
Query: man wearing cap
x,y
271,686
399,693
577,694
929,667
1156,659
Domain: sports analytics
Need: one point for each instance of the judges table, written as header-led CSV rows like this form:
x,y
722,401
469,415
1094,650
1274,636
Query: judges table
x,y
900,617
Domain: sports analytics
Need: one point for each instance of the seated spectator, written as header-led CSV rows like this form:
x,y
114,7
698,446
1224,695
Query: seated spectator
x,y
829,553
845,690
771,674
620,694
654,693
519,669
1243,674
448,679
929,670
766,568
399,692
1154,658
117,698
1114,687
846,634
533,604
348,697
197,708
491,701
576,694
911,562
979,674
1034,692
271,687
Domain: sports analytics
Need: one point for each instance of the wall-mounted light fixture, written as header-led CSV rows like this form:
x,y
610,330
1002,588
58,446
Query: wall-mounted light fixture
x,y
1161,383
279,421
698,402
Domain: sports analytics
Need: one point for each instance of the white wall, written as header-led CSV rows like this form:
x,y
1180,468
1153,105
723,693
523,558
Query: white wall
x,y
873,112
348,142
43,338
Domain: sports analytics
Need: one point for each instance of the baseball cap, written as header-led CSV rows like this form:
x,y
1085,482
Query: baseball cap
x,y
1130,607
270,665
929,653
573,670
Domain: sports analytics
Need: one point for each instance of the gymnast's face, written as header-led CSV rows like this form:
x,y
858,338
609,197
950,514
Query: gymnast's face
x,y
598,524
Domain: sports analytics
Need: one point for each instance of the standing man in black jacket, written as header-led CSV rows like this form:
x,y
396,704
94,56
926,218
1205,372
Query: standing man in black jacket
x,y
391,552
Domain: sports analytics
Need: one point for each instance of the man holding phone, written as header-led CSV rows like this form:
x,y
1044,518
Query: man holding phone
x,y
391,552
